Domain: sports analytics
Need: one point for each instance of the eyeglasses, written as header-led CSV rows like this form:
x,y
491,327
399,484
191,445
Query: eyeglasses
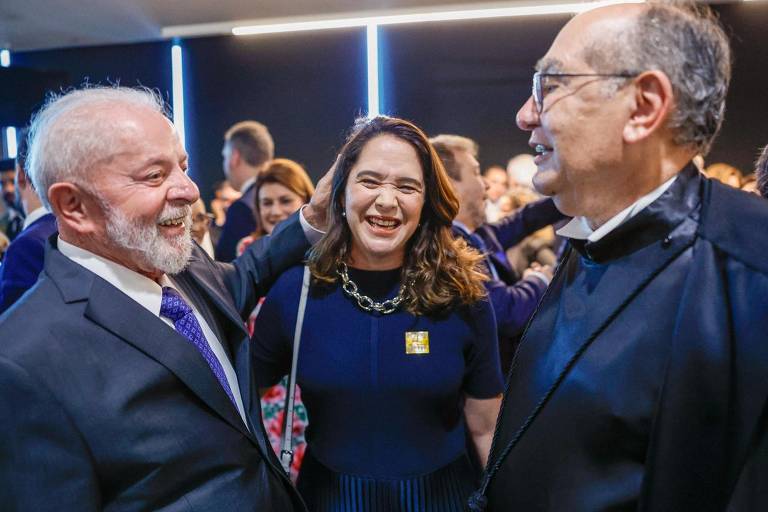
x,y
541,88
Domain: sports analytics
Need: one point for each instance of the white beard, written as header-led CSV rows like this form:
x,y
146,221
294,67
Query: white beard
x,y
145,242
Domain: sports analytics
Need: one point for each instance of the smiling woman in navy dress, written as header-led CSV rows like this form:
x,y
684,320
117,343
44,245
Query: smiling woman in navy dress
x,y
398,363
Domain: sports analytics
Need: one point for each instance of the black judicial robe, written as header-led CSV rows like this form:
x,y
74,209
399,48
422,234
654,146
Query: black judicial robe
x,y
641,382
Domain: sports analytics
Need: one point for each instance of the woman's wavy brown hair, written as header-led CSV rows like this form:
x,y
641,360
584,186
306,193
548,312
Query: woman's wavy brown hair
x,y
442,271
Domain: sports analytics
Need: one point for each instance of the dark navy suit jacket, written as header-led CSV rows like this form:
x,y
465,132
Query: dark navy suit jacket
x,y
23,260
105,407
513,300
240,223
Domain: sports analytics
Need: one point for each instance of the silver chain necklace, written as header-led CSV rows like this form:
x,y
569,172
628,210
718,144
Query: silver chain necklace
x,y
365,302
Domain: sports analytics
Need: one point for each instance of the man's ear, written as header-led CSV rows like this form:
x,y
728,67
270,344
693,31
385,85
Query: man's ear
x,y
74,208
653,99
234,158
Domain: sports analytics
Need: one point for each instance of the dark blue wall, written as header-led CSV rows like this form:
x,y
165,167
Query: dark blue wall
x,y
307,88
466,78
147,64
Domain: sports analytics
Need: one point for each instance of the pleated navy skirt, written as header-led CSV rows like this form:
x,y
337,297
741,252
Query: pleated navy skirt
x,y
444,490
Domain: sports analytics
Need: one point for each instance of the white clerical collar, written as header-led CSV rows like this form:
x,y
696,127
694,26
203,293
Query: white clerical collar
x,y
579,229
140,288
34,215
248,183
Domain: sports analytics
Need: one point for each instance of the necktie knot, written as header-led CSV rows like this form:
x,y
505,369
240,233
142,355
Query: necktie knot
x,y
173,306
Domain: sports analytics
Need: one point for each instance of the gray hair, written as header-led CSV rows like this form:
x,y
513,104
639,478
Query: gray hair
x,y
687,43
65,139
446,144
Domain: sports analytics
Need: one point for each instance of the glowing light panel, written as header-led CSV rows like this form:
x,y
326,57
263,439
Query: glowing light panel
x,y
177,75
372,40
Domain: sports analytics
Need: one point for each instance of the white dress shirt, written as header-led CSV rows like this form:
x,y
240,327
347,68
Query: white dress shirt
x,y
579,228
149,295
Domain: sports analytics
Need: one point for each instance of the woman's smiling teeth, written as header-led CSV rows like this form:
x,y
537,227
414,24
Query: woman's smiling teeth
x,y
382,222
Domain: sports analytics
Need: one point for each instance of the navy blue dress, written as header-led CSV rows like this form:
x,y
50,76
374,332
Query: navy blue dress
x,y
386,428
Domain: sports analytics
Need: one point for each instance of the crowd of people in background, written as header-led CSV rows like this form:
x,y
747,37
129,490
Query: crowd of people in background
x,y
405,248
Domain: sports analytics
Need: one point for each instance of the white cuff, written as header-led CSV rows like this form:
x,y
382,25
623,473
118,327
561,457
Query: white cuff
x,y
312,233
539,275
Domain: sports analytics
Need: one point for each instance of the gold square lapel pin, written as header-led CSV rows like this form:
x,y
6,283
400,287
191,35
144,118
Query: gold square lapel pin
x,y
417,342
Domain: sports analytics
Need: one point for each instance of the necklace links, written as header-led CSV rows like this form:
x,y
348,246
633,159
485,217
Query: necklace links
x,y
366,303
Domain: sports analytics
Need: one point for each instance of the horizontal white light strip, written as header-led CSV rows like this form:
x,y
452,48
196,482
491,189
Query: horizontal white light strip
x,y
177,77
5,58
10,142
372,33
467,14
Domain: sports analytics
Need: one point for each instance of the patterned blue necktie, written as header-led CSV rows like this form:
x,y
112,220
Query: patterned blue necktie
x,y
180,313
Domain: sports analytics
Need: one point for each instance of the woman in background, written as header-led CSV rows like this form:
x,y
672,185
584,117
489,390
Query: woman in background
x,y
398,361
281,189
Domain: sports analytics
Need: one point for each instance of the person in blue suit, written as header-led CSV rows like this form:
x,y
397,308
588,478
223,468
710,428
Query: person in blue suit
x,y
23,260
640,382
126,371
398,363
248,150
514,297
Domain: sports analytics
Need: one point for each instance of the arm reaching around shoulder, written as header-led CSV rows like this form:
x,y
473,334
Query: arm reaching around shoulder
x,y
481,417
316,212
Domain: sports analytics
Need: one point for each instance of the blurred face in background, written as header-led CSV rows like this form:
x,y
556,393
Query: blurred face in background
x,y
471,189
498,182
9,188
200,221
276,203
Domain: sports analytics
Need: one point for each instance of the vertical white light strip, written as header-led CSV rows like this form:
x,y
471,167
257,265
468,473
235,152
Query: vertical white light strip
x,y
372,44
10,132
10,142
178,91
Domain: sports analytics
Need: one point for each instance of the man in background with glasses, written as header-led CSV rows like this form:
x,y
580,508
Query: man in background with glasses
x,y
640,383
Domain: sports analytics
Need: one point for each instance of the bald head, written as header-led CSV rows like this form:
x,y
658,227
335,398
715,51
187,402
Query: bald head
x,y
685,42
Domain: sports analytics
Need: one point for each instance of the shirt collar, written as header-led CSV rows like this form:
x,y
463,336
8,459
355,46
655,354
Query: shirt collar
x,y
579,229
140,288
34,215
247,184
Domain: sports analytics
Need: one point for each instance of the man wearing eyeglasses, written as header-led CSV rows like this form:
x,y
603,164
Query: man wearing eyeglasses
x,y
641,381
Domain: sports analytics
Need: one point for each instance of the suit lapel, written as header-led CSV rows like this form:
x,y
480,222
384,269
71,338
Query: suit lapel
x,y
235,338
237,341
125,318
